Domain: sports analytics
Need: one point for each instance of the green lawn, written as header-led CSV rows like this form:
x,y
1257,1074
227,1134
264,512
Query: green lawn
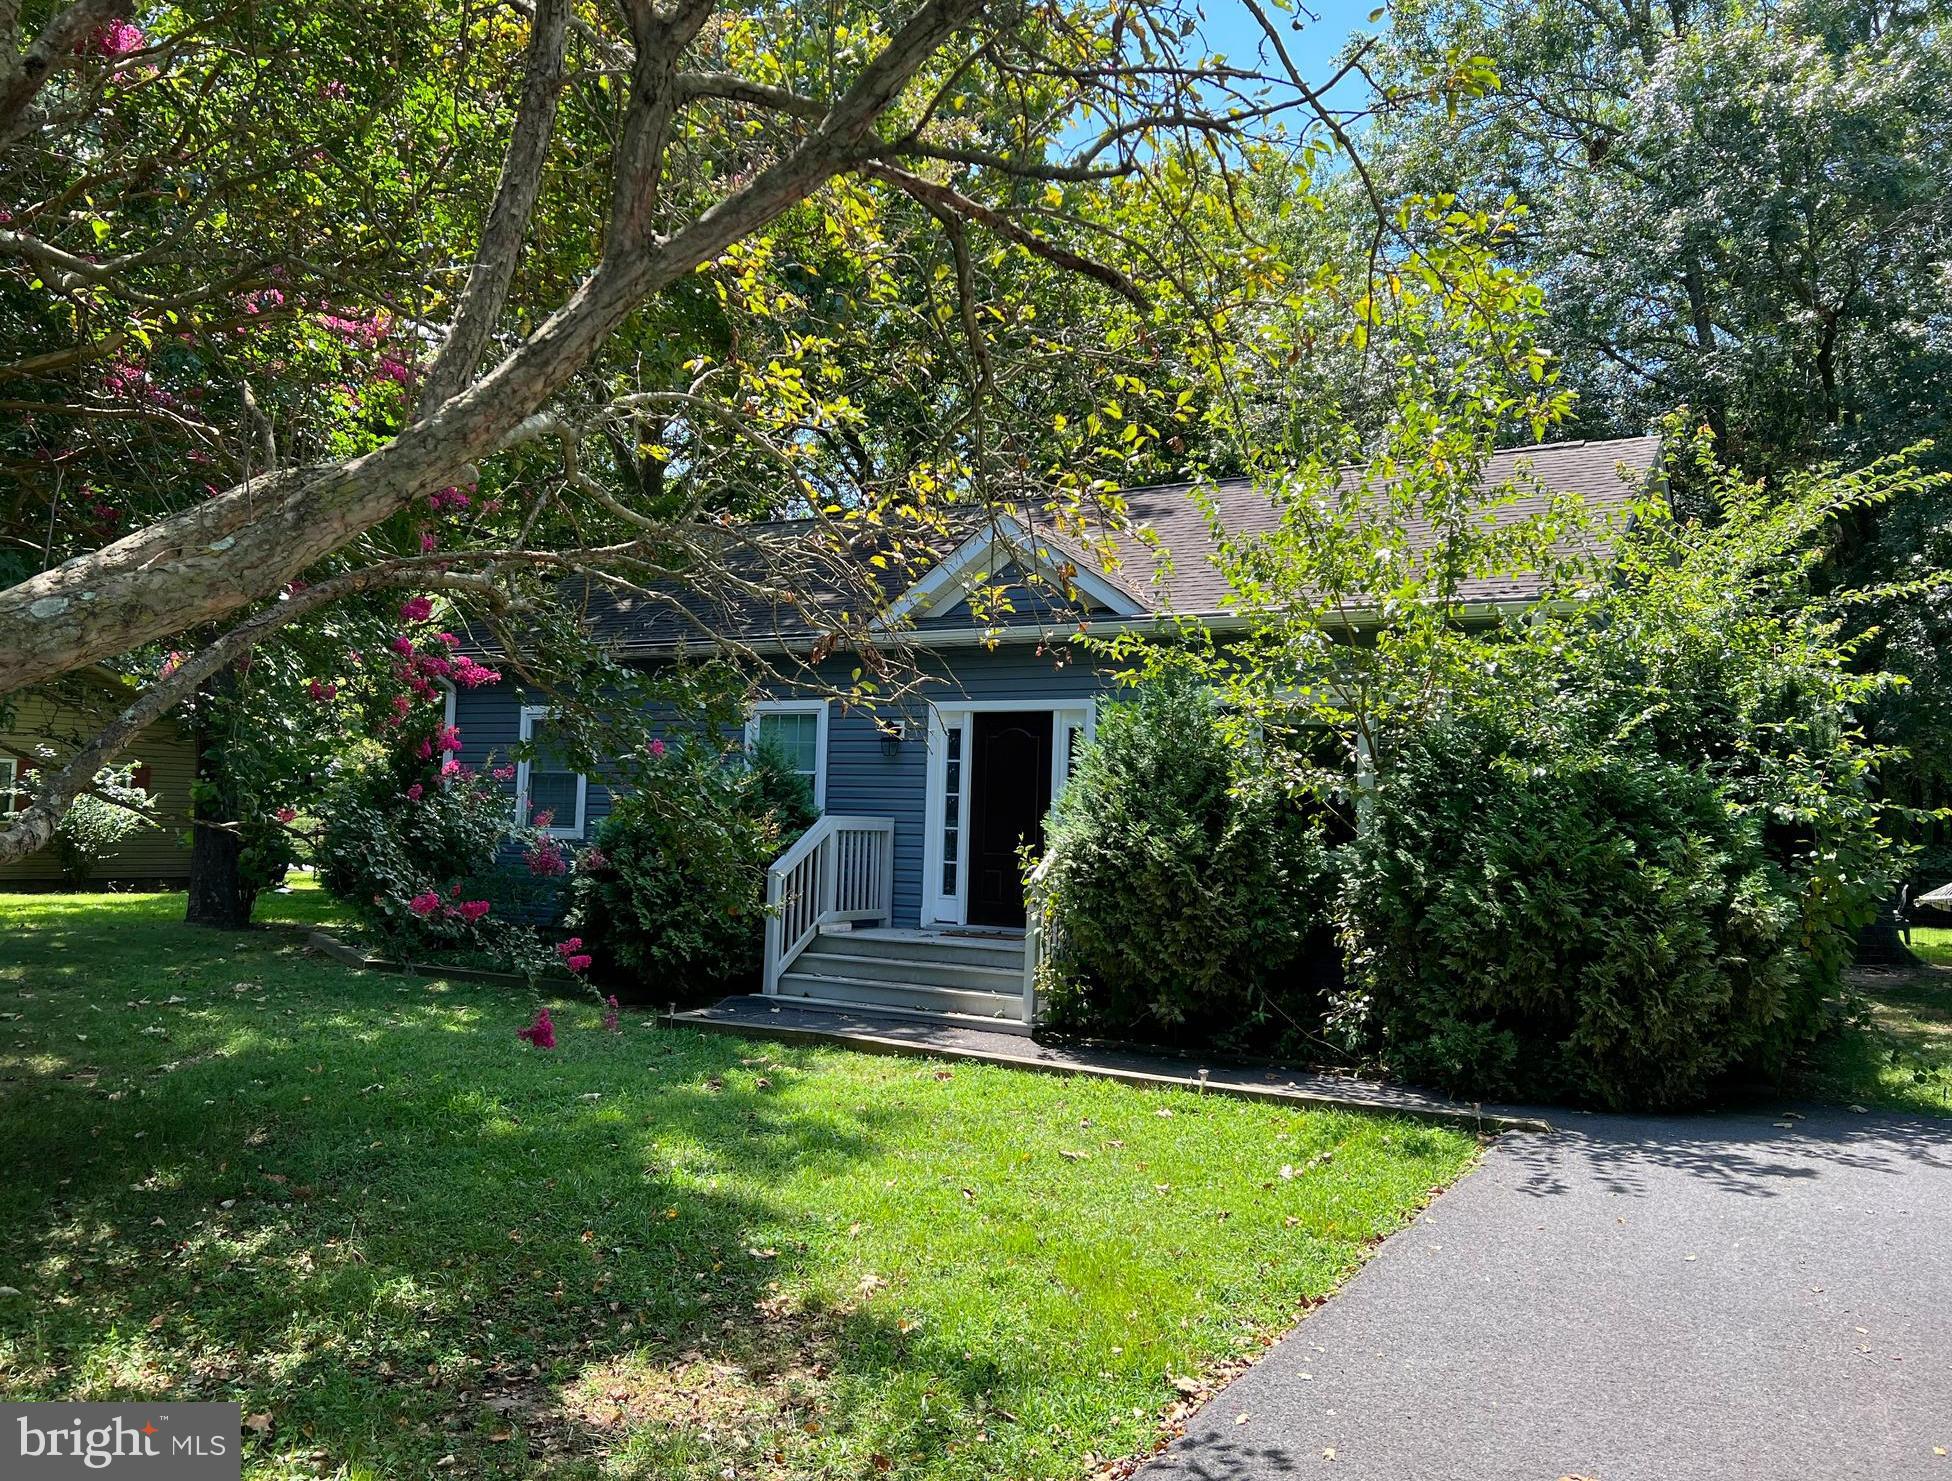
x,y
357,1204
1899,1052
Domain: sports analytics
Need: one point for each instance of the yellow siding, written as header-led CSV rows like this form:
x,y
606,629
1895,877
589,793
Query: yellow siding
x,y
158,853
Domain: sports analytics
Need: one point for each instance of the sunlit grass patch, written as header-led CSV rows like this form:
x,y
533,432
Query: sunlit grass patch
x,y
353,1202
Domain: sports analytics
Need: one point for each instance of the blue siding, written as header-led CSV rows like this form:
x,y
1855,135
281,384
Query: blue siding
x,y
490,722
861,776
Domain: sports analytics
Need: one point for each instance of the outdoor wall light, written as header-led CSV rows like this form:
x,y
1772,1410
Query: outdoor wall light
x,y
893,733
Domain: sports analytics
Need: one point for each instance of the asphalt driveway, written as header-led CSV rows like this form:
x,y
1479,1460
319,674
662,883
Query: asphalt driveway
x,y
1742,1296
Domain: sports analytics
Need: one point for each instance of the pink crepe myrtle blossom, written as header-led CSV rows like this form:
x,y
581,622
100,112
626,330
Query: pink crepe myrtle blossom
x,y
336,90
612,1015
447,640
424,904
595,859
545,857
573,955
402,707
503,773
286,815
393,368
414,792
322,693
118,38
473,910
656,748
172,663
447,498
416,609
425,750
450,767
364,332
448,737
429,542
544,816
469,674
541,1033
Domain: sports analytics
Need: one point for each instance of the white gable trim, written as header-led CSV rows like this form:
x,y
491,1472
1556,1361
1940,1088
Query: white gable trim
x,y
958,573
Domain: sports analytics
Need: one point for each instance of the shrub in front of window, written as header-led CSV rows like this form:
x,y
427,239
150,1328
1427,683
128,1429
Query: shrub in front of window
x,y
675,902
1187,891
407,851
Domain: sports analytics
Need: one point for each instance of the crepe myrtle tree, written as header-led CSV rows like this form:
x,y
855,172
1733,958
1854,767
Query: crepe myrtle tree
x,y
514,299
207,227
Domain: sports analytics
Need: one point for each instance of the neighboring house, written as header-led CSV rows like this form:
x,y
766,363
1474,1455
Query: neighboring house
x,y
41,732
908,893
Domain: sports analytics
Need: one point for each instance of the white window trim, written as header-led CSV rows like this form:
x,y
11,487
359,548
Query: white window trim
x,y
531,714
448,696
817,707
9,779
939,909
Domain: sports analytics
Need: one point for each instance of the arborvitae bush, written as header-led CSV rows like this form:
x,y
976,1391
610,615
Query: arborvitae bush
x,y
1533,914
1186,888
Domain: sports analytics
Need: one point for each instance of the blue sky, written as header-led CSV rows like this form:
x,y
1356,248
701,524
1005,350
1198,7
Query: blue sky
x,y
1229,28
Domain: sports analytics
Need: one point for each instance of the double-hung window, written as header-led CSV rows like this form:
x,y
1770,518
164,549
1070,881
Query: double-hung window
x,y
546,784
796,731
9,778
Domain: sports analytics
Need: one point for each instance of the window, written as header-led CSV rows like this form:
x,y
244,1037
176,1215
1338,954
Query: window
x,y
951,807
9,774
546,784
797,730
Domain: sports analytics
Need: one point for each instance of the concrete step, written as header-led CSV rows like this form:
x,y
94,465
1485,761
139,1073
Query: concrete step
x,y
923,946
861,992
919,1015
1001,976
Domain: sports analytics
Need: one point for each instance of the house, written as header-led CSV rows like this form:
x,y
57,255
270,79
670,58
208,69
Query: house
x,y
908,894
42,729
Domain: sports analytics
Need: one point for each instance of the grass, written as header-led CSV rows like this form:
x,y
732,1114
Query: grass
x,y
356,1204
1897,1052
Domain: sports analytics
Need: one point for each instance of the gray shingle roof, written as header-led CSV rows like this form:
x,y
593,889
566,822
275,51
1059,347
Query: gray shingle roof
x,y
1189,582
786,554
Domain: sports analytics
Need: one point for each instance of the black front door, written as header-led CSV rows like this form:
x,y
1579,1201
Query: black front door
x,y
1009,793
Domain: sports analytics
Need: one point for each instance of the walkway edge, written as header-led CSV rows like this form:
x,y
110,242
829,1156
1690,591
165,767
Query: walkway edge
x,y
870,1043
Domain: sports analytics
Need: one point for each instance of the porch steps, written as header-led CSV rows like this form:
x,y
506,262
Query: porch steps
x,y
976,981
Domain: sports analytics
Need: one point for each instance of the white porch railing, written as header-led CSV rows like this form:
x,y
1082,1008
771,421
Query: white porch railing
x,y
1039,932
842,869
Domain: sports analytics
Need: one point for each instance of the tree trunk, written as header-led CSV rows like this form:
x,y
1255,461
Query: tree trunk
x,y
219,896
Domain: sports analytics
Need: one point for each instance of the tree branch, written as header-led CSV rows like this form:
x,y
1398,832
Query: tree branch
x,y
945,198
22,77
508,217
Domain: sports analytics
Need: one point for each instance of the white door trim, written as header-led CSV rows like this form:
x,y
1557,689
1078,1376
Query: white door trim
x,y
951,908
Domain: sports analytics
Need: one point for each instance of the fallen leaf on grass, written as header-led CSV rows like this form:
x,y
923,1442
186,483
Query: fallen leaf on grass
x,y
258,1424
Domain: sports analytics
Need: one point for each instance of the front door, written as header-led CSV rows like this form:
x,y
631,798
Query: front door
x,y
1009,793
